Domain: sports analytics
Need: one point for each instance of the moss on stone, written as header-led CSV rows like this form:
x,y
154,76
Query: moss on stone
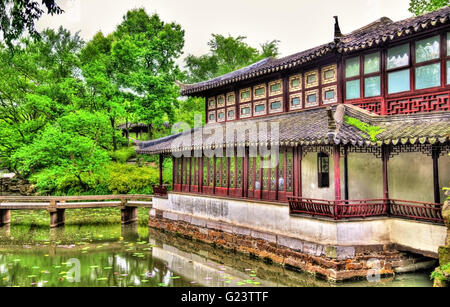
x,y
372,131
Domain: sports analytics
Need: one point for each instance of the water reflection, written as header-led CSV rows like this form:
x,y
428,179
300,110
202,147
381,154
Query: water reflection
x,y
134,255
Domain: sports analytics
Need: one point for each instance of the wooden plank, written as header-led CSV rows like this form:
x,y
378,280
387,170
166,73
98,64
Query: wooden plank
x,y
24,206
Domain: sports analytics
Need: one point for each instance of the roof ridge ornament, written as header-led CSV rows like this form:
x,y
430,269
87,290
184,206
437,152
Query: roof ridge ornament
x,y
337,30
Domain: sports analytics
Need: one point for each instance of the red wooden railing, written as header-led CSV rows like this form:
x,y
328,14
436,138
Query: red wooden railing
x,y
416,210
366,208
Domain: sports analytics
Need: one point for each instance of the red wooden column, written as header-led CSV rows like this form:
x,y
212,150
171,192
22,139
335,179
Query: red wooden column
x,y
214,174
190,173
245,170
200,174
182,174
385,159
337,178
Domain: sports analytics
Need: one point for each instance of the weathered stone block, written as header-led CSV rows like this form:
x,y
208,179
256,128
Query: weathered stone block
x,y
198,222
264,236
292,243
170,216
241,231
343,253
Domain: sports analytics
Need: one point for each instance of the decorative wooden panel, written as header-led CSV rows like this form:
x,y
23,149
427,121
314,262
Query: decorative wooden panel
x,y
417,104
371,106
231,99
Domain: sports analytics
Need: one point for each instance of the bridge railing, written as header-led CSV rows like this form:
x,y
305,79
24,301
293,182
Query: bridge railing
x,y
347,209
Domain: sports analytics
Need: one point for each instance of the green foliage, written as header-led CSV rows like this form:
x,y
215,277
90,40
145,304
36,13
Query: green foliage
x,y
189,108
226,54
420,7
125,179
19,16
372,131
123,155
442,273
144,52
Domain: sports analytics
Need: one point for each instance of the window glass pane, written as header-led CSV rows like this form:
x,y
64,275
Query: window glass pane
x,y
212,103
311,79
260,108
245,95
295,83
398,56
428,76
221,115
275,87
220,100
448,44
230,113
296,101
211,117
329,74
245,111
312,98
231,98
427,49
352,67
372,87
398,81
275,105
372,63
448,72
329,95
353,90
260,92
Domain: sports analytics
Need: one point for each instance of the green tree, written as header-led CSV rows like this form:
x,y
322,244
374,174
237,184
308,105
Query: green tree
x,y
420,7
103,89
144,52
18,16
226,54
38,84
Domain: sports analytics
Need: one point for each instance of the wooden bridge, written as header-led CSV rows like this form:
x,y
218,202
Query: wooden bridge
x,y
57,206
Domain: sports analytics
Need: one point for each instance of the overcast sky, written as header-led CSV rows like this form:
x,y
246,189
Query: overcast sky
x,y
298,24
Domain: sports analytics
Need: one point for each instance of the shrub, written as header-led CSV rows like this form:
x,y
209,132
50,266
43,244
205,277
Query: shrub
x,y
123,155
131,179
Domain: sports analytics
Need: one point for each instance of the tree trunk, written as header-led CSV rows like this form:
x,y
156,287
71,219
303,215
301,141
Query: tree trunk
x,y
150,132
114,139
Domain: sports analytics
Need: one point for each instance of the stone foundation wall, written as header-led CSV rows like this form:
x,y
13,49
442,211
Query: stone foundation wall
x,y
261,217
335,263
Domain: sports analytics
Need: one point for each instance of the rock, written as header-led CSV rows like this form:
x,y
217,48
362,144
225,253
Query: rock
x,y
446,213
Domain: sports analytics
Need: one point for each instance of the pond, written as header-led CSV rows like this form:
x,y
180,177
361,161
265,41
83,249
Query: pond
x,y
104,255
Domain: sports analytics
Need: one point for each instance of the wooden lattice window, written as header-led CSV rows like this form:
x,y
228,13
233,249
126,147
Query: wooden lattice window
x,y
281,178
205,171
289,171
240,174
323,170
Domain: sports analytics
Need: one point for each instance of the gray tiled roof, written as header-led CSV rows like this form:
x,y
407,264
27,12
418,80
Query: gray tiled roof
x,y
377,33
317,127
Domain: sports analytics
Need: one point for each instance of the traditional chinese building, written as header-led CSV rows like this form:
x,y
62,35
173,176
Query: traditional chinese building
x,y
360,127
